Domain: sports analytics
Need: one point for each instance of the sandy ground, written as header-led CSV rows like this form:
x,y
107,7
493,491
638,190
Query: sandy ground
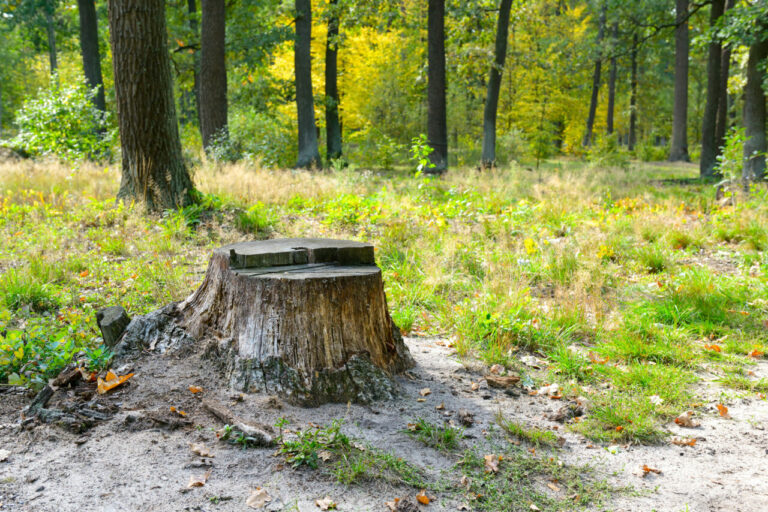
x,y
129,463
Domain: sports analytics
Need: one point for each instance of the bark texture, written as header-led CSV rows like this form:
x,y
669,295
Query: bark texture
x,y
437,128
595,79
612,81
304,318
195,93
213,73
153,168
89,49
679,149
633,97
723,101
50,28
309,155
332,100
754,114
709,119
488,158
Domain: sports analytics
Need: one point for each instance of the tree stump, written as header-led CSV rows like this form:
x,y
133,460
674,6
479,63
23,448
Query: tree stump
x,y
304,318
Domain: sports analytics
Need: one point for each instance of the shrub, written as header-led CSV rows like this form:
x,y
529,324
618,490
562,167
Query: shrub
x,y
607,153
264,137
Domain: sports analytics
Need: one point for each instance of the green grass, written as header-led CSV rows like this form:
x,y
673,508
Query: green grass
x,y
531,435
440,437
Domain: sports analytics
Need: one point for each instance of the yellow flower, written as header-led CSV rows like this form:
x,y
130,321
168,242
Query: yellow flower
x,y
530,246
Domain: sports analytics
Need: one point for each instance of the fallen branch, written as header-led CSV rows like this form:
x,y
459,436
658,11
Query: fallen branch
x,y
262,434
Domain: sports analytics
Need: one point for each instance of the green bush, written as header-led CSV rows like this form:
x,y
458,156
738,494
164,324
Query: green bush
x,y
607,153
647,152
270,139
61,120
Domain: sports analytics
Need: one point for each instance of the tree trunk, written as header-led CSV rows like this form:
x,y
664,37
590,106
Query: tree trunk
x,y
51,31
304,318
437,129
709,119
193,27
612,81
679,149
488,158
595,79
754,112
721,122
309,155
89,48
332,100
153,168
213,73
632,142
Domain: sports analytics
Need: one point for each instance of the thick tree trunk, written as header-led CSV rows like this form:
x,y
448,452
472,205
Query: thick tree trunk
x,y
89,48
632,142
754,113
309,155
193,27
488,158
612,81
332,100
709,119
51,31
213,73
679,149
153,168
437,129
721,123
304,318
595,79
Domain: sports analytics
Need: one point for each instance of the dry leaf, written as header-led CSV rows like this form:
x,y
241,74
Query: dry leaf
x,y
258,498
713,348
324,455
553,487
195,389
492,463
425,392
497,369
422,497
502,382
686,420
4,454
178,411
111,381
465,482
534,507
198,481
683,442
595,359
756,353
326,503
440,407
392,505
201,450
475,386
647,470
723,410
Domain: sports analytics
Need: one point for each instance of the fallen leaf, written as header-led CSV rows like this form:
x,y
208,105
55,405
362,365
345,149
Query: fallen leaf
x,y
201,450
195,389
422,497
198,481
595,359
4,454
465,482
496,369
324,455
392,505
475,386
425,392
647,469
492,463
440,407
534,507
502,382
619,428
177,411
756,353
84,273
111,381
723,410
683,442
713,348
326,503
686,420
258,498
421,399
553,487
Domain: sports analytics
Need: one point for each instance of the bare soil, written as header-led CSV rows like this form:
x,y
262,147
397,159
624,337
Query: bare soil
x,y
141,459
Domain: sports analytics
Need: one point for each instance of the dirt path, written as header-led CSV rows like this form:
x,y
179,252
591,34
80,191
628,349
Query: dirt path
x,y
129,464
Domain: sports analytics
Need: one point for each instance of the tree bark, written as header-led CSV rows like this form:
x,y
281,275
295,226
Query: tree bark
x,y
309,155
51,31
612,81
332,100
437,129
721,122
754,112
193,27
595,79
153,168
679,148
632,142
709,119
213,73
89,48
488,158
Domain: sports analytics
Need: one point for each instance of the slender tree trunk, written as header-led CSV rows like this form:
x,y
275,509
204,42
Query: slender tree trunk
x,y
709,119
494,86
632,142
213,72
51,30
612,81
193,27
754,113
437,131
332,123
309,155
721,123
89,48
595,79
679,149
153,168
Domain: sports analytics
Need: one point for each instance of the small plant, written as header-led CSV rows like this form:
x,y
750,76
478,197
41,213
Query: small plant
x,y
20,289
420,152
237,437
531,435
256,219
730,162
304,449
436,436
99,358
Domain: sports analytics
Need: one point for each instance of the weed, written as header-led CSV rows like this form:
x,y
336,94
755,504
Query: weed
x,y
531,435
444,438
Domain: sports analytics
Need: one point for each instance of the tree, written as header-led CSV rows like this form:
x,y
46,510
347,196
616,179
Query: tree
x,y
332,123
494,85
194,97
213,73
595,78
632,139
721,122
612,81
49,8
89,49
437,130
754,109
309,155
679,148
709,148
153,168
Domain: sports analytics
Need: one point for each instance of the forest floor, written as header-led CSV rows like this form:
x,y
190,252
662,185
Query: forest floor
x,y
633,290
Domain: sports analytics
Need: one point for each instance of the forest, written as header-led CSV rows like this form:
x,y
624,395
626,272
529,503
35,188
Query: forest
x,y
383,255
